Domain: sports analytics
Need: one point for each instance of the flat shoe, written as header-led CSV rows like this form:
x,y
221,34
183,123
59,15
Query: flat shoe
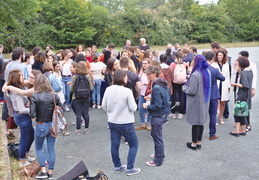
x,y
234,134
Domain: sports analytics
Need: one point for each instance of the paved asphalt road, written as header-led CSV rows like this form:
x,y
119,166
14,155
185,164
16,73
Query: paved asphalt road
x,y
226,158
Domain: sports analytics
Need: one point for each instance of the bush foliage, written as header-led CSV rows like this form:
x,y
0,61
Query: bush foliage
x,y
67,23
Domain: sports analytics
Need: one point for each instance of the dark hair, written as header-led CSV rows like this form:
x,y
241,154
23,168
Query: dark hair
x,y
14,79
163,58
74,52
215,44
225,58
194,49
80,57
168,52
27,56
118,78
124,62
50,47
54,63
17,52
243,62
131,49
109,64
209,55
244,53
35,50
77,48
111,45
47,67
81,68
40,56
64,53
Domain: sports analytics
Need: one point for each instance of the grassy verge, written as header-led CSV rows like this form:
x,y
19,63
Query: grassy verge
x,y
198,46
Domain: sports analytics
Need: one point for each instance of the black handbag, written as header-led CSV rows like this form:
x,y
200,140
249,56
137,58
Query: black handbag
x,y
4,112
13,149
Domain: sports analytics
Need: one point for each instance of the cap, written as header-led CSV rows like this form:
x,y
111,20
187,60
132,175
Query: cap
x,y
152,69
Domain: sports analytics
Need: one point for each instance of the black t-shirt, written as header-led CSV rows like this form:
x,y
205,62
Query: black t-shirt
x,y
107,56
131,83
144,48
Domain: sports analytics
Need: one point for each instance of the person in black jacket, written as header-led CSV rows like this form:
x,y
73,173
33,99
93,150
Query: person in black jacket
x,y
41,108
111,66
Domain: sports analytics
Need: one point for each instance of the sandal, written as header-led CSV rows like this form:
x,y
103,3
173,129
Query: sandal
x,y
10,134
248,128
221,122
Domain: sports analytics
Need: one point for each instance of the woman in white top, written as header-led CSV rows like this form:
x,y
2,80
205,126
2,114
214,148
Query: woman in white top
x,y
65,63
97,68
119,103
221,62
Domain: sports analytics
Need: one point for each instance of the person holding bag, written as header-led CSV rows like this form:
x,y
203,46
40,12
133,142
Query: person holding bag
x,y
42,106
242,92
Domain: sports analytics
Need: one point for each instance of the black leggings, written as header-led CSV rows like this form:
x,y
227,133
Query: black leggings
x,y
241,120
197,131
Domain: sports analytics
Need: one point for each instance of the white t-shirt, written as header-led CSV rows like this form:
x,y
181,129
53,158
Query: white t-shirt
x,y
96,69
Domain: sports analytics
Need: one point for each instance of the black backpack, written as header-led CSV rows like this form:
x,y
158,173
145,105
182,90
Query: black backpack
x,y
82,89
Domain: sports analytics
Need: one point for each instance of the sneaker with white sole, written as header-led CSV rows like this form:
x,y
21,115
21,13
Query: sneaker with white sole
x,y
99,107
120,169
67,108
94,106
74,122
50,176
153,156
30,159
180,116
24,164
78,132
133,171
150,163
172,116
42,175
86,131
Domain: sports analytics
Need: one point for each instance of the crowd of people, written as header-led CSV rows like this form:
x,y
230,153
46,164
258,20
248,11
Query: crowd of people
x,y
142,79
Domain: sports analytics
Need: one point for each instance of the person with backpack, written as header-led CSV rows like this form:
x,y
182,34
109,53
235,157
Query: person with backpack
x,y
81,87
179,69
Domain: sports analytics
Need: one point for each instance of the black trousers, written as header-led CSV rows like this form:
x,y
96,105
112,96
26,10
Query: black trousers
x,y
241,120
197,131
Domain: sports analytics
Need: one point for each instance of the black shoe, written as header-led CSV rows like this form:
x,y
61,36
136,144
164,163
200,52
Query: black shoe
x,y
234,134
198,146
42,175
50,176
242,134
189,145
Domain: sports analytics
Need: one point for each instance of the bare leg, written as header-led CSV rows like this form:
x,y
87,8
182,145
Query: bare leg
x,y
222,105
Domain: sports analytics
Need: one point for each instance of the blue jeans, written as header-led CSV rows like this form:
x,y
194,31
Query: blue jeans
x,y
26,133
42,132
156,133
213,116
96,93
126,130
66,88
142,111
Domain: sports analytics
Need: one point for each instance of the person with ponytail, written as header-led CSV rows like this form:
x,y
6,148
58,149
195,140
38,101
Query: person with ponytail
x,y
198,88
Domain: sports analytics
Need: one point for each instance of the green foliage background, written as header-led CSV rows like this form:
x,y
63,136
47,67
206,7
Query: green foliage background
x,y
67,23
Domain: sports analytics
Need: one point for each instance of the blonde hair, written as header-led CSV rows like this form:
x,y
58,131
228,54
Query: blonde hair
x,y
42,84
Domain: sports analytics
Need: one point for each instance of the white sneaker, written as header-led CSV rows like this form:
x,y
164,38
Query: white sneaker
x,y
67,108
30,159
180,116
99,107
172,116
25,164
74,122
94,106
